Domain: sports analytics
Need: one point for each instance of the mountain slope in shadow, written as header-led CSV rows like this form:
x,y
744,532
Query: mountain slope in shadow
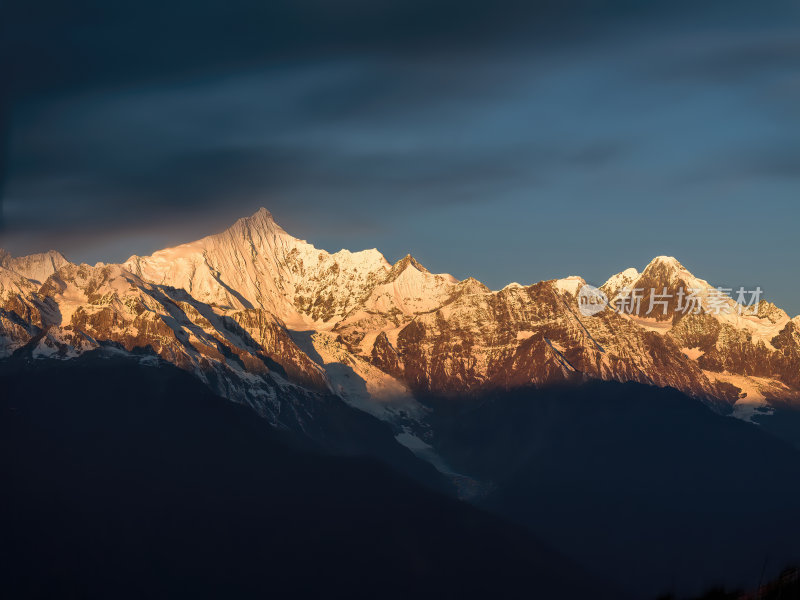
x,y
128,481
640,483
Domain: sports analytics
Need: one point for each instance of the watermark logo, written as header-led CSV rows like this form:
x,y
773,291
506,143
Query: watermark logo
x,y
591,300
692,301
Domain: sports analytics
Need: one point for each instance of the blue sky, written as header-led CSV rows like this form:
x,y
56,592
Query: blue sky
x,y
508,141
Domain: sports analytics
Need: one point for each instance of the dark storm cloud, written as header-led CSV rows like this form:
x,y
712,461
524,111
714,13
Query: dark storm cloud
x,y
339,130
189,167
49,47
56,45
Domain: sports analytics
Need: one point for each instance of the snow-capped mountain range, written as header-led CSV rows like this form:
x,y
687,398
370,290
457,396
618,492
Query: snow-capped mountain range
x,y
269,320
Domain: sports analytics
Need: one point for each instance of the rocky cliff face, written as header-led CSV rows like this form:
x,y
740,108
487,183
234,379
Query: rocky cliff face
x,y
254,311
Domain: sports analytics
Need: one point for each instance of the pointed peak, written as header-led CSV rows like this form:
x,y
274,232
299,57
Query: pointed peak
x,y
666,262
401,265
620,280
57,256
664,269
261,220
410,261
767,310
262,215
472,285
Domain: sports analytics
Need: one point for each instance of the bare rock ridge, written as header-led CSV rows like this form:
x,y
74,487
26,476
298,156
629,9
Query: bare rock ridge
x,y
261,316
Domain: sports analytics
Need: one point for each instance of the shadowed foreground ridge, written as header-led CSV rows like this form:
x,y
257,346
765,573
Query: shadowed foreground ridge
x,y
129,481
644,484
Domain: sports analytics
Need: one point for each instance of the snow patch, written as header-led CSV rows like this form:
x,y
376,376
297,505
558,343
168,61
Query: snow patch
x,y
360,384
570,284
752,401
620,281
693,353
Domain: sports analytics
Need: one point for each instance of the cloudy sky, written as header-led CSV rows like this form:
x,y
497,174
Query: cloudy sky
x,y
509,140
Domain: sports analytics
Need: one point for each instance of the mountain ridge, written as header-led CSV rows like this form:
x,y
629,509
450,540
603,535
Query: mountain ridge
x,y
257,315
